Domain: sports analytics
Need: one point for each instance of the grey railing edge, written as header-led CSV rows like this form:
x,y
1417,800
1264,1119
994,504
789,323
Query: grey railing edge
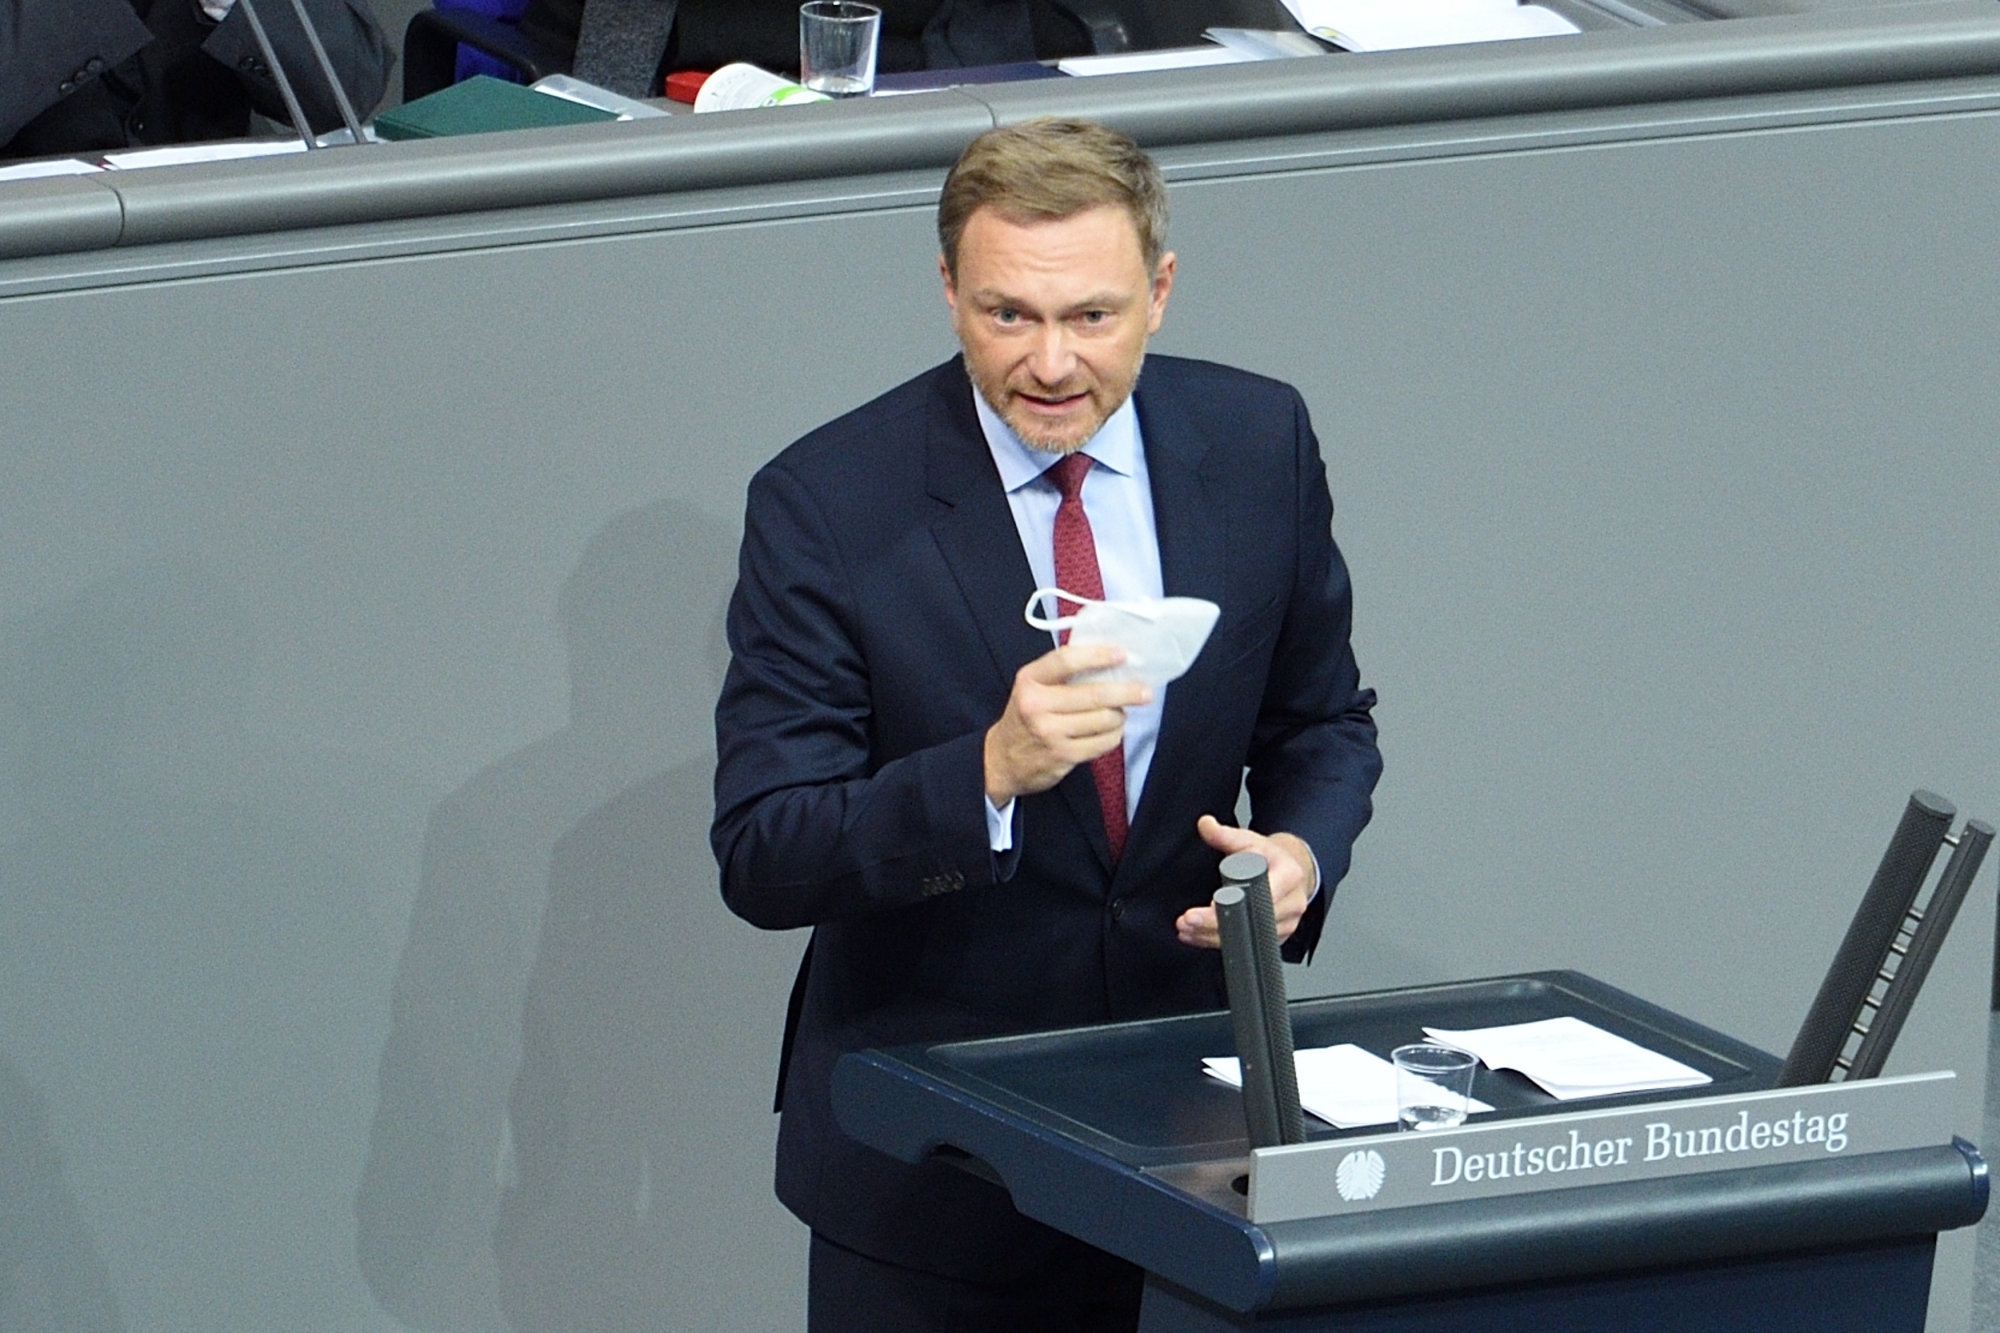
x,y
59,215
549,166
1902,43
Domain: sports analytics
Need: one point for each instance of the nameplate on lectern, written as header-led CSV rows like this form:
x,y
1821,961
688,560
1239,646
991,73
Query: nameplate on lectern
x,y
1488,1158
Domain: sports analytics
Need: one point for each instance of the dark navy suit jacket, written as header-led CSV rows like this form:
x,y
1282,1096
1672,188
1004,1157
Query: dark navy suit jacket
x,y
876,630
80,76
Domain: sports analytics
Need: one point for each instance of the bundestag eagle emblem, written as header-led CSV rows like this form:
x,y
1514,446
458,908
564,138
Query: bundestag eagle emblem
x,y
1359,1175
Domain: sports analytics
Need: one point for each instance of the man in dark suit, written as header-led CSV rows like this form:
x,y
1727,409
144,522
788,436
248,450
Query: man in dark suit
x,y
983,841
81,76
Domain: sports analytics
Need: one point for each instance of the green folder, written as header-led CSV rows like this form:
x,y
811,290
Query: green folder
x,y
479,105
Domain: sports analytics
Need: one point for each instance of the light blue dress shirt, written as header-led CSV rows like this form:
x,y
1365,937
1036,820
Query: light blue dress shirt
x,y
1118,501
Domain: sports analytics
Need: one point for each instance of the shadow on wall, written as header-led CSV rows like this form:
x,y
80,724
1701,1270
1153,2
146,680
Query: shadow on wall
x,y
52,1279
604,825
197,930
637,1185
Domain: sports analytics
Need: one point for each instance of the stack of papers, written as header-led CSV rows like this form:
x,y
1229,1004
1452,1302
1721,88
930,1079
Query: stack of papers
x,y
1393,25
1342,1085
1570,1058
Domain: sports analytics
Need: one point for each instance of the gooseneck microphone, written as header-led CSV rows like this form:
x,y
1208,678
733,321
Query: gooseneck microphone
x,y
284,82
325,62
270,53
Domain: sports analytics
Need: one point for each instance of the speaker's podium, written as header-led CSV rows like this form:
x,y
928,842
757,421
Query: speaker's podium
x,y
1735,1205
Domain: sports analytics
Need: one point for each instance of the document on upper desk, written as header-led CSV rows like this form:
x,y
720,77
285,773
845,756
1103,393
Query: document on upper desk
x,y
28,171
188,154
1265,44
1150,62
1571,1059
1393,25
1342,1085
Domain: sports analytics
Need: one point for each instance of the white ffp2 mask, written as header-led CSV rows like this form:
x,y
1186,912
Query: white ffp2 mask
x,y
1161,638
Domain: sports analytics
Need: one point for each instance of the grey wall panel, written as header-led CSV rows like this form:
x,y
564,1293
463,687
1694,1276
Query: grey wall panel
x,y
358,629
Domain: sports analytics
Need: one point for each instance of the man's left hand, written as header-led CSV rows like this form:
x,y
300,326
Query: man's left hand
x,y
1291,880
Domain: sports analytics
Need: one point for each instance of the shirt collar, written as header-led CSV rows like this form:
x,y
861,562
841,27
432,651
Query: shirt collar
x,y
1115,445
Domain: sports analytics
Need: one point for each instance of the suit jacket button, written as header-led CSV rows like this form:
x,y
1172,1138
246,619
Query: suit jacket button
x,y
66,87
93,65
1117,909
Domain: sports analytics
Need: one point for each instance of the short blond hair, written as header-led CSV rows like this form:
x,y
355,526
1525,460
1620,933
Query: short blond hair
x,y
1052,168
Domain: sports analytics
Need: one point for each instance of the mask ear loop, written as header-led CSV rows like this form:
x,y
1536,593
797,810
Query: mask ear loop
x,y
1053,623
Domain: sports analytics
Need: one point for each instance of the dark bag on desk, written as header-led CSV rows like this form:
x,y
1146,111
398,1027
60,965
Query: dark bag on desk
x,y
619,44
979,32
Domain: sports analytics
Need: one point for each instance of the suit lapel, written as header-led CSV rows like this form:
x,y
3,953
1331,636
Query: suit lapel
x,y
1189,515
1187,510
982,548
976,532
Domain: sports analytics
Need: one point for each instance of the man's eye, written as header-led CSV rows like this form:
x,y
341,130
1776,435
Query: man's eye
x,y
1006,316
1095,316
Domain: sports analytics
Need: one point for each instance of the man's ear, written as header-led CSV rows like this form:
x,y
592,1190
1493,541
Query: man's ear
x,y
950,288
1163,286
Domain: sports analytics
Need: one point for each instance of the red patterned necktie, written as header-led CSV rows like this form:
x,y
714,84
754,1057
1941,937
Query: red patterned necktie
x,y
1077,572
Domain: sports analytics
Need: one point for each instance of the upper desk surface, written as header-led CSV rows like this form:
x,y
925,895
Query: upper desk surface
x,y
1674,62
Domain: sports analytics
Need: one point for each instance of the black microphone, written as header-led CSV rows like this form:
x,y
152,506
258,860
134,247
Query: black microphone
x,y
1255,976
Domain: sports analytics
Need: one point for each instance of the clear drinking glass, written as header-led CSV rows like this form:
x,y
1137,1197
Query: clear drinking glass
x,y
838,40
1433,1085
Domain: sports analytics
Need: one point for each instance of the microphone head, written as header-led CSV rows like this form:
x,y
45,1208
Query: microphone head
x,y
1244,868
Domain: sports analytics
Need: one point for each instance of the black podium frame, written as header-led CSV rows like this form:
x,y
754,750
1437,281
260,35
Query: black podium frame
x,y
1113,1135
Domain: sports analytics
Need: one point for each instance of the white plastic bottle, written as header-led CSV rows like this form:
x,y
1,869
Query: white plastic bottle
x,y
739,87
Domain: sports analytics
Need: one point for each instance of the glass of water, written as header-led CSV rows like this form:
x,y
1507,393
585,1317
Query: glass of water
x,y
838,41
1433,1085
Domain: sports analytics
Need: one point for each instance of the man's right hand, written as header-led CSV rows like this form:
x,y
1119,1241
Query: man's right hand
x,y
1051,725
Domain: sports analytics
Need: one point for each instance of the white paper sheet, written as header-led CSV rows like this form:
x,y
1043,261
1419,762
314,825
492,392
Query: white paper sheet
x,y
1145,62
29,171
1342,1085
1393,25
1570,1058
181,155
